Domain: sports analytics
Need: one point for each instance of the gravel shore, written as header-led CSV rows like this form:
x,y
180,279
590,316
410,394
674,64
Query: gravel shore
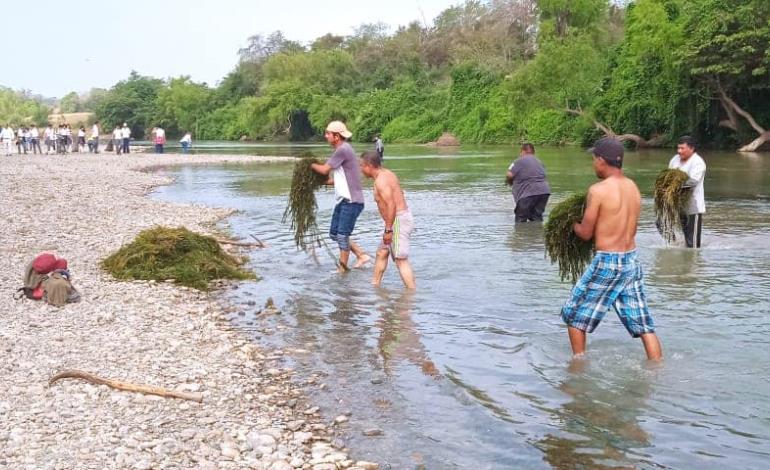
x,y
82,208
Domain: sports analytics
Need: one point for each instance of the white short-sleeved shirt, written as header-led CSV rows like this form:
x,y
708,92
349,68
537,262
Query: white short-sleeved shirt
x,y
695,168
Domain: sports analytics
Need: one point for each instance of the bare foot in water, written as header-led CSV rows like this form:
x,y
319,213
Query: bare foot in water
x,y
362,260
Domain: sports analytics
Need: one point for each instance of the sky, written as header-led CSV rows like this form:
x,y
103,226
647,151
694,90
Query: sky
x,y
97,43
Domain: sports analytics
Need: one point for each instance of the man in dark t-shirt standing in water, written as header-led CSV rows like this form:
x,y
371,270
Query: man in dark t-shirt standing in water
x,y
346,178
530,187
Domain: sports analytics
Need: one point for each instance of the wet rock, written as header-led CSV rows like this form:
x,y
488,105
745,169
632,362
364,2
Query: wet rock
x,y
372,432
341,419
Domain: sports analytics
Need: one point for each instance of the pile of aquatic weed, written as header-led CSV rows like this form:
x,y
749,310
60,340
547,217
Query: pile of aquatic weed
x,y
302,207
670,199
162,253
562,245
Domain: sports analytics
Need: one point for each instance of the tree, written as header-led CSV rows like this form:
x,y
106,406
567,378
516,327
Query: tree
x,y
259,48
133,101
728,51
647,87
182,104
70,103
560,17
17,107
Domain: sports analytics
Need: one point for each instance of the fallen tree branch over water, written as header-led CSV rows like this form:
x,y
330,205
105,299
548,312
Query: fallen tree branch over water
x,y
125,386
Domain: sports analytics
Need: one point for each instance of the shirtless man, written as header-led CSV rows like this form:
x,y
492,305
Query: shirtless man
x,y
614,277
397,217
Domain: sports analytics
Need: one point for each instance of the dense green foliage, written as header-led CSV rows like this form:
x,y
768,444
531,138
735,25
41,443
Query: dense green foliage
x,y
17,108
562,245
163,253
549,71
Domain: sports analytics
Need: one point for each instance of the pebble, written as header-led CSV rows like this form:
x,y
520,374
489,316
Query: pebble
x,y
373,432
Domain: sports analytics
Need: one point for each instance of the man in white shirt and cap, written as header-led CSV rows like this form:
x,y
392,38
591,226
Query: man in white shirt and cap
x,y
688,160
125,134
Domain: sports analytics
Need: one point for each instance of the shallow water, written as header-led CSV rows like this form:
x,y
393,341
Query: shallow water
x,y
473,370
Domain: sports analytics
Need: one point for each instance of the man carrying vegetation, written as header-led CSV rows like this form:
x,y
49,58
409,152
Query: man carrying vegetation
x,y
346,178
397,217
614,277
529,186
687,160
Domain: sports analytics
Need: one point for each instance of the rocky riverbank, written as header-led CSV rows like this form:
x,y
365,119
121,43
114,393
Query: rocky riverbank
x,y
83,207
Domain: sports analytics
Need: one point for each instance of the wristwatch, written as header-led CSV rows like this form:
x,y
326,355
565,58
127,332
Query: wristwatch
x,y
388,230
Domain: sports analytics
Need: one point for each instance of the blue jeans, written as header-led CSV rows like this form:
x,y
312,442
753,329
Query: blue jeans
x,y
185,147
125,144
344,221
158,148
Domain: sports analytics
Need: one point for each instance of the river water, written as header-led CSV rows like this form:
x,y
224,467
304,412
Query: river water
x,y
473,370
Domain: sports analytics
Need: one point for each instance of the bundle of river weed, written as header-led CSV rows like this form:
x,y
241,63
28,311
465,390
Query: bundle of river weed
x,y
302,206
670,199
562,245
162,253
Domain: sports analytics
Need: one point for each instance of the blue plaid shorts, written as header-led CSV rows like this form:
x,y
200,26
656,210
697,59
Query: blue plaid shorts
x,y
612,279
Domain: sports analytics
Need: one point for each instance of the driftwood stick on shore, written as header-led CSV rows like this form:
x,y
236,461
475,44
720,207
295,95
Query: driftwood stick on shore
x,y
126,386
261,243
237,243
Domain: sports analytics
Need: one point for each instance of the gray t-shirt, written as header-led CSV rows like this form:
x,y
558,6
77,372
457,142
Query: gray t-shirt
x,y
347,174
528,178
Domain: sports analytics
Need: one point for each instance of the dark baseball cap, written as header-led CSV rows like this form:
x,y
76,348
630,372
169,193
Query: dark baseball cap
x,y
610,150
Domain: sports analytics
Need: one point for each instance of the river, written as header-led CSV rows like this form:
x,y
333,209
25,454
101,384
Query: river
x,y
473,370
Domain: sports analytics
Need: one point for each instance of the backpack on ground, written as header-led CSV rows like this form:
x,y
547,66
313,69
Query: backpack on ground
x,y
46,278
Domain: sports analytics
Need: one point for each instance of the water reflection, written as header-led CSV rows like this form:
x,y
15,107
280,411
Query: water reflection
x,y
599,425
675,266
526,237
399,340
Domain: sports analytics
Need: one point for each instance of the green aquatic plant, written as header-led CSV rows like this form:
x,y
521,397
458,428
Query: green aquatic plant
x,y
162,253
302,207
670,198
562,245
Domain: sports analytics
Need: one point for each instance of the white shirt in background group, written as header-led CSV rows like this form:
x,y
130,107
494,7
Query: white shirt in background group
x,y
125,132
6,134
117,134
95,131
48,133
695,168
34,133
81,133
187,138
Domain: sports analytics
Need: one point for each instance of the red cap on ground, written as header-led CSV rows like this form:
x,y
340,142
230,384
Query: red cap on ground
x,y
46,262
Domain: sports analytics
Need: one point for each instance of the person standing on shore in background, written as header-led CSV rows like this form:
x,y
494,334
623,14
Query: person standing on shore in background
x,y
186,142
125,136
159,138
50,145
396,216
82,139
34,137
117,139
688,160
21,145
379,147
529,185
346,178
95,136
6,139
68,135
614,277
